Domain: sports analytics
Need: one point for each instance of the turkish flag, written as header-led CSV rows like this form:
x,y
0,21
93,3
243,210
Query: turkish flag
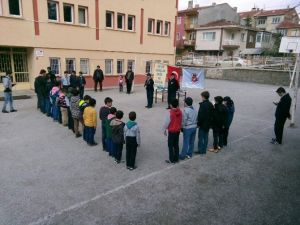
x,y
176,70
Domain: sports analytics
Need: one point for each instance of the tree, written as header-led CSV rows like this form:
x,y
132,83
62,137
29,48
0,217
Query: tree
x,y
274,51
248,21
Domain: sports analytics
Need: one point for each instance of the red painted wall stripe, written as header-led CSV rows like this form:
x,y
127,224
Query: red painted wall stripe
x,y
142,27
175,25
176,4
97,19
36,18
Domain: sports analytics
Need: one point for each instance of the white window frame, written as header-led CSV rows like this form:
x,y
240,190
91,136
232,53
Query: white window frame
x,y
251,38
261,21
87,65
152,26
122,15
161,27
276,20
57,8
232,36
111,66
132,62
58,66
122,68
74,67
72,13
85,15
112,15
20,9
205,36
150,66
167,27
133,22
242,37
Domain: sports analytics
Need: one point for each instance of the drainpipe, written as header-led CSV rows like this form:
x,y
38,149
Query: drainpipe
x,y
221,40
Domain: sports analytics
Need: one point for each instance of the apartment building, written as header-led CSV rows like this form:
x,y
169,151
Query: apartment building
x,y
81,34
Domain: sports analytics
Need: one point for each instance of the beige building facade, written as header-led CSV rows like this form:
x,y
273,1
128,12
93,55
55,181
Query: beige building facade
x,y
81,34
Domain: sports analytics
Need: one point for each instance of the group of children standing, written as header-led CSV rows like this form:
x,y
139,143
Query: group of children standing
x,y
218,117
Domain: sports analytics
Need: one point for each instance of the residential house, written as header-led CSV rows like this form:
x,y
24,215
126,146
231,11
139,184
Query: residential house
x,y
287,28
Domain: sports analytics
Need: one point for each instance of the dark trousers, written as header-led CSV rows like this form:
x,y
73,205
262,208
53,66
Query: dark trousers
x,y
121,87
150,98
131,147
118,151
41,103
103,135
81,92
89,133
128,86
225,135
70,120
278,129
218,137
173,144
171,96
109,146
48,106
96,84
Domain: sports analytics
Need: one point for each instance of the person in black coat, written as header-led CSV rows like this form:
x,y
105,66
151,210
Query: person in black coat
x,y
218,123
40,90
98,77
129,77
281,114
81,83
173,87
74,80
204,121
149,85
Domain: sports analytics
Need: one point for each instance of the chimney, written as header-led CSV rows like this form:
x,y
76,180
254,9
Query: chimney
x,y
190,4
214,4
235,9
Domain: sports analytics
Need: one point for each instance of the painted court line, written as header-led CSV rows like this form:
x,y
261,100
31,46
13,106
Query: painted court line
x,y
80,204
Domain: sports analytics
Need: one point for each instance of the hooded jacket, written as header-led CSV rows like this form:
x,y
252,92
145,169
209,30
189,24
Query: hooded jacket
x,y
117,128
220,116
283,107
108,129
131,129
173,121
189,119
74,107
205,115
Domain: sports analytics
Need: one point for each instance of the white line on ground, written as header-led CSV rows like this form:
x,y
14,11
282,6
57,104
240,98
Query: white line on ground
x,y
80,204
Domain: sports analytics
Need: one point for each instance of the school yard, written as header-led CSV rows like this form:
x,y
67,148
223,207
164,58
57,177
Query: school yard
x,y
50,177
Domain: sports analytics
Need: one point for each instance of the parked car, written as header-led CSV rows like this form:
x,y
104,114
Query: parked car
x,y
187,61
232,62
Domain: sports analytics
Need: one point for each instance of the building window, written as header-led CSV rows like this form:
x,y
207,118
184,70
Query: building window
x,y
84,66
167,28
151,26
14,7
276,20
120,66
68,13
109,19
166,62
55,65
258,37
131,64
108,66
70,65
283,32
159,27
178,20
148,66
266,38
242,37
53,10
120,21
232,36
261,21
251,38
209,36
131,23
178,36
82,15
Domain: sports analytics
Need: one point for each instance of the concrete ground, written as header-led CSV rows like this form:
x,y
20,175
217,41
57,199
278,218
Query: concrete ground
x,y
50,177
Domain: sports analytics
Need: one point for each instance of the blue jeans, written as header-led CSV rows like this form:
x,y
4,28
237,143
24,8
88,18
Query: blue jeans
x,y
109,146
55,112
8,100
189,136
203,141
89,133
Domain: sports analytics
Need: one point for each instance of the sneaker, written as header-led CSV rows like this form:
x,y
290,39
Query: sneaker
x,y
4,111
13,110
188,157
94,144
116,161
274,142
78,135
169,162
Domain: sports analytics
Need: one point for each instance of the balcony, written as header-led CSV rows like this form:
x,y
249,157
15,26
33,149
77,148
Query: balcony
x,y
231,44
189,26
189,42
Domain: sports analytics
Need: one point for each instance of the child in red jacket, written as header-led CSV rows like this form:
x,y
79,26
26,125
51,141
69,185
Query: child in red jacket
x,y
173,126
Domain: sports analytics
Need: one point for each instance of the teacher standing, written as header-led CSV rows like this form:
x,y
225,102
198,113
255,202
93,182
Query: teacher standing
x,y
129,77
149,85
98,77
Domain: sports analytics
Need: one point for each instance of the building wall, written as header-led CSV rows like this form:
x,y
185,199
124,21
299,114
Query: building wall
x,y
251,44
295,32
203,45
271,27
180,31
58,39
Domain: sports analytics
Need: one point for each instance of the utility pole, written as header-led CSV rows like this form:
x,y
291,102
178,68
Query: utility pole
x,y
295,89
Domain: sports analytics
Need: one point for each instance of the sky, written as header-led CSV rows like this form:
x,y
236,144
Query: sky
x,y
245,5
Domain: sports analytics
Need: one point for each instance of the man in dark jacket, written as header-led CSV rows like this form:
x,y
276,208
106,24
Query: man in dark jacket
x,y
173,87
51,75
81,83
98,77
129,77
40,90
74,80
281,114
205,117
149,85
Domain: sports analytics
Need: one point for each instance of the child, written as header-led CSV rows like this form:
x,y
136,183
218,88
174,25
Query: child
x,y
173,126
62,103
75,111
229,104
90,122
103,113
218,124
133,140
54,95
189,128
117,127
121,82
109,143
82,105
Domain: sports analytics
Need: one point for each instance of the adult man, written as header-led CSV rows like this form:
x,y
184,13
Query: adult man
x,y
81,82
149,85
7,84
98,77
51,74
281,114
40,90
129,77
74,80
173,87
65,80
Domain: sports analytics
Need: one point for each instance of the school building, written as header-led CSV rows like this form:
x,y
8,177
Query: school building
x,y
81,34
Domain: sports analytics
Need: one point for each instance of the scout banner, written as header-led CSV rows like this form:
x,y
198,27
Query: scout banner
x,y
193,78
160,72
